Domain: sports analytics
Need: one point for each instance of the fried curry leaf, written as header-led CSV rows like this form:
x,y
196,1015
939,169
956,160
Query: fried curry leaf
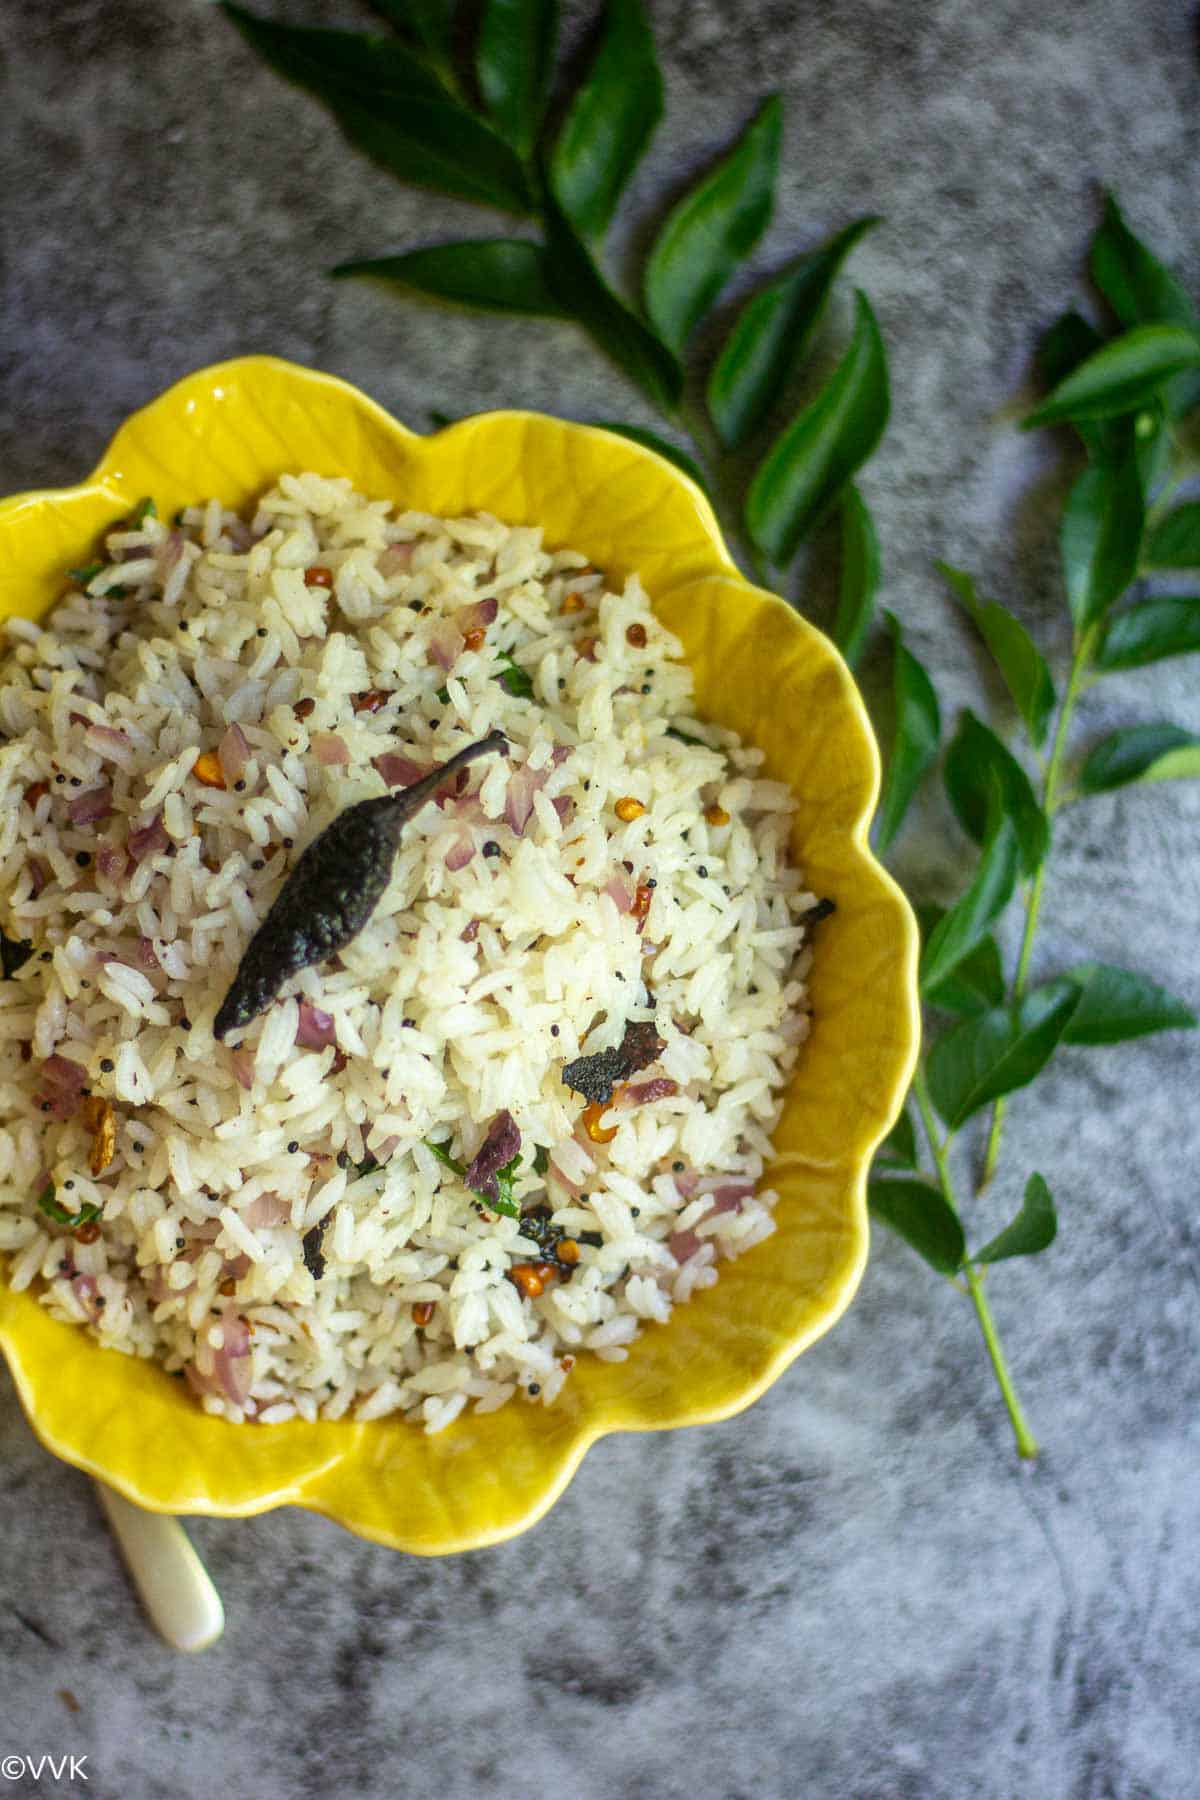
x,y
332,891
13,954
311,1248
597,1075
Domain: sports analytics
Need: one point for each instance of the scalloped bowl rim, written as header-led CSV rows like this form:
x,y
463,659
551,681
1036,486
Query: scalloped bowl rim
x,y
105,481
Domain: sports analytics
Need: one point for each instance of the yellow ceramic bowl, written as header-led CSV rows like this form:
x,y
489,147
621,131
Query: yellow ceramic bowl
x,y
230,431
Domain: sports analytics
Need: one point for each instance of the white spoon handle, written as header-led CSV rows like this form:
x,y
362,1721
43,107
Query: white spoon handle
x,y
175,1587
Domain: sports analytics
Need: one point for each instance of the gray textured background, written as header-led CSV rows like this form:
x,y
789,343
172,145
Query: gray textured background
x,y
852,1590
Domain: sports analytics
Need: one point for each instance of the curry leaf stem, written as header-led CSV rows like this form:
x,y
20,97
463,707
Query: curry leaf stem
x,y
1081,657
1027,1446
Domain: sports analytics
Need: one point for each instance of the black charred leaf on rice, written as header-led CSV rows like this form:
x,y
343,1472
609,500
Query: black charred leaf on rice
x,y
13,955
312,1245
595,1076
332,891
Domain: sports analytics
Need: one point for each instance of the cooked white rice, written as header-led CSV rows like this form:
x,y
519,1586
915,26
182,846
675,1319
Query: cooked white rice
x,y
465,994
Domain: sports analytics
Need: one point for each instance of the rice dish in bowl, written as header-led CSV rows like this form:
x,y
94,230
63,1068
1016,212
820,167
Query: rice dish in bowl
x,y
303,1220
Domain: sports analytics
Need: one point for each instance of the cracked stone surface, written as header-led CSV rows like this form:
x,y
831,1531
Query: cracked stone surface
x,y
852,1590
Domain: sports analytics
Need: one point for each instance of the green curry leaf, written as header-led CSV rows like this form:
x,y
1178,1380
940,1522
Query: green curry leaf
x,y
771,334
807,468
611,122
712,229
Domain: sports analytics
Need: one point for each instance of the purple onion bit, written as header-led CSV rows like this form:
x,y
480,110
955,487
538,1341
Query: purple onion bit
x,y
497,1150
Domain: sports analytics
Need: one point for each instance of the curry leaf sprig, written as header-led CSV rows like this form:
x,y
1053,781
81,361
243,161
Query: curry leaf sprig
x,y
1131,402
468,101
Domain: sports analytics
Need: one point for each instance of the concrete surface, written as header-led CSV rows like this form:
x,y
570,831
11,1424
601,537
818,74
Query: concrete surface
x,y
853,1590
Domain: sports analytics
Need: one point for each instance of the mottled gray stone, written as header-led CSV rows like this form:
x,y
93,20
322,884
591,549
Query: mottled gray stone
x,y
852,1590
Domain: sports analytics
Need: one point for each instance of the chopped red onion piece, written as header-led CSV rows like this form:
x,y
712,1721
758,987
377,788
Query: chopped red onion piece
x,y
683,1244
712,1184
469,932
498,1148
231,1363
330,750
242,1063
559,754
314,1028
200,1384
564,806
170,550
732,1196
445,644
400,771
85,1290
154,1280
523,784
687,1181
111,862
100,735
618,891
395,560
641,1093
264,1210
477,616
233,753
64,1083
94,803
146,954
460,853
148,840
574,1188
39,875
